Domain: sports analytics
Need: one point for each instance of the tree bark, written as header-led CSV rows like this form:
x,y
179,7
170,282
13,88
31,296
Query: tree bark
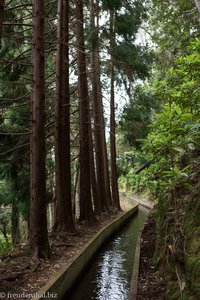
x,y
96,196
64,215
113,154
99,123
38,217
86,209
145,165
2,3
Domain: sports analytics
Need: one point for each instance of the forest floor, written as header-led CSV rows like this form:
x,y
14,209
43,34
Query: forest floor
x,y
151,285
21,276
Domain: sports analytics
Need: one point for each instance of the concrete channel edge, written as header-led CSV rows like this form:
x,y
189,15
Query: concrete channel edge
x,y
61,283
136,266
142,202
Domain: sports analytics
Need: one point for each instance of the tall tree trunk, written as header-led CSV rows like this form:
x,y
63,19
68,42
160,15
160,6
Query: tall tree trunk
x,y
86,209
64,216
99,123
2,3
113,163
38,217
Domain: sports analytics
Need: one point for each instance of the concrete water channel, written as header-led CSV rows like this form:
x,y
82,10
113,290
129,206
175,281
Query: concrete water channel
x,y
108,275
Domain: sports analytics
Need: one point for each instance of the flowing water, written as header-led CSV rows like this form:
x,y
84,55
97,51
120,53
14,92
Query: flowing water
x,y
108,277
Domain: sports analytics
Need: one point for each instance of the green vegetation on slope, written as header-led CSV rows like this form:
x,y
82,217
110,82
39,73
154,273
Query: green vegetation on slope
x,y
172,176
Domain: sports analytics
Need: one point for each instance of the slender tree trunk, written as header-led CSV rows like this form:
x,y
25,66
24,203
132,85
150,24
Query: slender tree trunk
x,y
64,215
15,223
99,123
95,186
97,137
75,194
2,3
113,163
86,209
38,217
197,4
50,209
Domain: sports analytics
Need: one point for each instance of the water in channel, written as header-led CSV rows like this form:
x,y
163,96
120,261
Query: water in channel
x,y
108,277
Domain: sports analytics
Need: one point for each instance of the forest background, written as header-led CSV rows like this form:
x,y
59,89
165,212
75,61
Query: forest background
x,y
61,64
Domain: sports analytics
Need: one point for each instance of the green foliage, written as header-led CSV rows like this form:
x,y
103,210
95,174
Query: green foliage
x,y
5,196
132,61
132,182
173,25
14,121
5,246
5,223
172,146
136,116
112,5
174,132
